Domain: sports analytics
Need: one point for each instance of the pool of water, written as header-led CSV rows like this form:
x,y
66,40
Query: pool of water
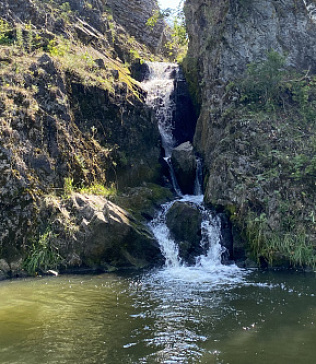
x,y
160,317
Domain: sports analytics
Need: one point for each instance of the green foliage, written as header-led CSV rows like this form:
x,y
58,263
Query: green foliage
x,y
68,186
261,85
29,39
88,59
5,28
43,255
303,92
100,190
60,48
65,7
273,245
256,227
157,15
19,36
269,86
178,45
152,21
134,54
88,5
95,189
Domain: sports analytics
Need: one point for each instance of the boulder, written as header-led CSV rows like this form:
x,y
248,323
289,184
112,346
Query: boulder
x,y
184,221
226,238
93,232
184,164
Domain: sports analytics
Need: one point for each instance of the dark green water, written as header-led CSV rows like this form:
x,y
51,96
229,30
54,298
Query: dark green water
x,y
159,317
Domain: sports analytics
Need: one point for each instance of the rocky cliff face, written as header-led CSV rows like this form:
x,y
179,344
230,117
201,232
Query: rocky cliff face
x,y
71,116
257,143
133,15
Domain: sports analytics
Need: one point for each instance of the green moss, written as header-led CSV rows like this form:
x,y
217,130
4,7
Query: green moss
x,y
143,201
159,194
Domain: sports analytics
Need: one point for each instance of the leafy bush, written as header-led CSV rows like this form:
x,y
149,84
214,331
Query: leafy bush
x,y
100,190
262,82
58,49
44,254
268,85
4,30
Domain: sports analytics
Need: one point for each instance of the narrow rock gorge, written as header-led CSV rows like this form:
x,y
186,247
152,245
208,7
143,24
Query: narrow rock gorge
x,y
83,167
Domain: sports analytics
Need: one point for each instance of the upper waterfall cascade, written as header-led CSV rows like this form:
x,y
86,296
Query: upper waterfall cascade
x,y
160,87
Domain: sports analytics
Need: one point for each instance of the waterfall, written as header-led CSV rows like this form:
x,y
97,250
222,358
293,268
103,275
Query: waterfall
x,y
198,178
160,96
160,87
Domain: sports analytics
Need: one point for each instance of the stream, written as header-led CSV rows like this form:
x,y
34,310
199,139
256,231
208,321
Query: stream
x,y
159,317
205,312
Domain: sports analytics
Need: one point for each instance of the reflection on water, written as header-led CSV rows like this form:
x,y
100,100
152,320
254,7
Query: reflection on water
x,y
160,317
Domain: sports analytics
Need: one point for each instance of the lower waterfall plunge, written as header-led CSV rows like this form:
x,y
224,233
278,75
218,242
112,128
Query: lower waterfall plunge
x,y
160,88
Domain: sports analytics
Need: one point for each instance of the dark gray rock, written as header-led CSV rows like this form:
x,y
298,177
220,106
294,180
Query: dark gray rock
x,y
185,115
184,221
184,163
226,238
103,235
133,15
100,63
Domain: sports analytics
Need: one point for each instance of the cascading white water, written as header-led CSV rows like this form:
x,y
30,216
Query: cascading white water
x,y
160,88
198,178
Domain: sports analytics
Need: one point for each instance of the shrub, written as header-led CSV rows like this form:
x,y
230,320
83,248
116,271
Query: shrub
x,y
262,82
44,254
4,30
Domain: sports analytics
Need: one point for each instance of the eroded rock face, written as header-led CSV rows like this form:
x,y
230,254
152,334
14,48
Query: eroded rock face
x,y
239,147
225,36
184,221
134,14
101,235
247,30
184,164
57,124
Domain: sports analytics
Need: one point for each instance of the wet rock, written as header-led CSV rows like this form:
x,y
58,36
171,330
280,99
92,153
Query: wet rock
x,y
184,221
3,276
144,201
185,116
140,70
249,263
184,163
4,266
226,238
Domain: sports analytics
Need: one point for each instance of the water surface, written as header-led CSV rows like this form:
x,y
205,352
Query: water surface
x,y
167,316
